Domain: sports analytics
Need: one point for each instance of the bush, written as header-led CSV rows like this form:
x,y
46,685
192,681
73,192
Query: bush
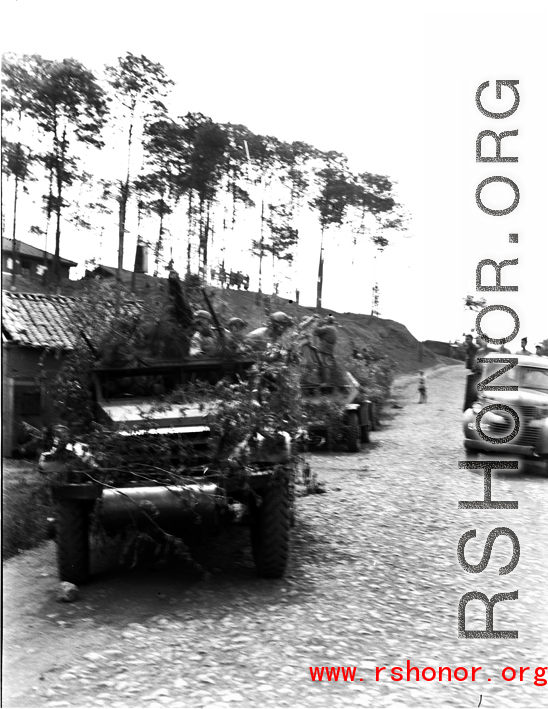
x,y
27,505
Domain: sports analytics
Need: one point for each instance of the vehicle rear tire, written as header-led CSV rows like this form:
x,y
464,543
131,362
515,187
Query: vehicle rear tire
x,y
270,525
72,537
353,432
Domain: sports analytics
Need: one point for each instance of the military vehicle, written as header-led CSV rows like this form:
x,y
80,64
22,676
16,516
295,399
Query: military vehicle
x,y
340,393
187,488
358,414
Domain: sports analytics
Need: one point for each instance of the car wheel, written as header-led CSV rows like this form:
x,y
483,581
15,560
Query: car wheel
x,y
353,432
270,525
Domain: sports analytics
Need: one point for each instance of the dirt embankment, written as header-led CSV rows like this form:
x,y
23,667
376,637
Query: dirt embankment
x,y
388,336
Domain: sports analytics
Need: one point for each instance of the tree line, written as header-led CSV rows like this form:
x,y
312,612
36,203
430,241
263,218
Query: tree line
x,y
189,175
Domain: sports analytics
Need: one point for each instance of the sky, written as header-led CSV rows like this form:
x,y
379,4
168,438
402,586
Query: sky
x,y
392,85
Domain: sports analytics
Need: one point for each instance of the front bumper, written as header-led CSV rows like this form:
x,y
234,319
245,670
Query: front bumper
x,y
503,450
530,442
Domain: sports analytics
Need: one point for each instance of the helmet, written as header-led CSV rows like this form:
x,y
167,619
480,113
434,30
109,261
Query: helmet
x,y
202,315
329,318
281,318
236,323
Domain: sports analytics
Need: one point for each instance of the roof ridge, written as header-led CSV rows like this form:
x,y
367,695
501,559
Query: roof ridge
x,y
36,296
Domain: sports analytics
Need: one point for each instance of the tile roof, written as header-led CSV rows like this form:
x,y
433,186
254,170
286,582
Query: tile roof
x,y
28,250
38,320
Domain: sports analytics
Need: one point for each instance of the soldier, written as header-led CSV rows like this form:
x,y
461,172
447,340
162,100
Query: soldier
x,y
470,350
524,350
236,326
270,333
327,339
235,334
474,376
539,349
503,350
202,342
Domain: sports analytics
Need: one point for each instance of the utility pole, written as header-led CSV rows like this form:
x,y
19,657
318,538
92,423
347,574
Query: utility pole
x,y
375,301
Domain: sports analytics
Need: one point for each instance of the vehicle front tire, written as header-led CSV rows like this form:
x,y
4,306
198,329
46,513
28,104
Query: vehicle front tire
x,y
270,525
72,537
353,432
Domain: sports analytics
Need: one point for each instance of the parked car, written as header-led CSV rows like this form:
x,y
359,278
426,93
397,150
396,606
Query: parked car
x,y
530,403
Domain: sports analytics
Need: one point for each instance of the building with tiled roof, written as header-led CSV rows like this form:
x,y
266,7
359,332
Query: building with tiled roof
x,y
37,320
36,333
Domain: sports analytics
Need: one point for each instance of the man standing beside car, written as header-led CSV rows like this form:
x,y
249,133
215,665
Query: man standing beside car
x,y
470,350
524,350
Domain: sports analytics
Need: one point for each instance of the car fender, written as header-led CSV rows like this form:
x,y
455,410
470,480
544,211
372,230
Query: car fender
x,y
542,446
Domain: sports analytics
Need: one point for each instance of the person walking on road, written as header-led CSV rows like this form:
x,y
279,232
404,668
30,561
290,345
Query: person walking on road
x,y
422,388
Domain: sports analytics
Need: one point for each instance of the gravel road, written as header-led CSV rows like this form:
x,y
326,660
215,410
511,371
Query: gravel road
x,y
374,581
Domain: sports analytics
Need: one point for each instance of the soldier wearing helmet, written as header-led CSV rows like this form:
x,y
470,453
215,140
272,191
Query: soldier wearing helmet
x,y
270,333
236,326
202,342
326,333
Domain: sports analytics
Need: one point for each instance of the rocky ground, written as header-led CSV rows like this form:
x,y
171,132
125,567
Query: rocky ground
x,y
374,581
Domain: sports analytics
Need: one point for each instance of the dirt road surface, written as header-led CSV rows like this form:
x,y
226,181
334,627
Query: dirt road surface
x,y
374,581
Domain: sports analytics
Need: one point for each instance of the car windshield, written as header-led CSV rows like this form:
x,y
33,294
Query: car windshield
x,y
524,377
534,378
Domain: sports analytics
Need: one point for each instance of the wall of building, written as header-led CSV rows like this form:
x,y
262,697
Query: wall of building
x,y
29,267
27,380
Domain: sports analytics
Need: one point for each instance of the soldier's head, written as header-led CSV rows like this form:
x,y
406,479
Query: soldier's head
x,y
539,349
329,319
468,339
236,325
279,322
202,322
523,343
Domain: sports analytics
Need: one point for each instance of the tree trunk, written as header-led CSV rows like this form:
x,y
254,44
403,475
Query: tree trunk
x,y
124,198
59,201
261,250
48,222
189,243
14,251
124,193
205,243
158,249
201,240
320,277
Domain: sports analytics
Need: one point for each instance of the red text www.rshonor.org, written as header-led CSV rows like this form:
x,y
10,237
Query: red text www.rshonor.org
x,y
429,674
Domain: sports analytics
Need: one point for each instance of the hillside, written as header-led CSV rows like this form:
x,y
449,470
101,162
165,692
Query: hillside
x,y
393,338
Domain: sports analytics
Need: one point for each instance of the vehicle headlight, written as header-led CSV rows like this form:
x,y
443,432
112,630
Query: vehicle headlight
x,y
476,407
